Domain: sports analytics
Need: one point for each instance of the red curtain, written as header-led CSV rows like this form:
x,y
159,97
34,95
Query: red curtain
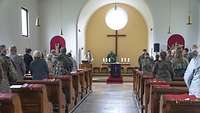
x,y
57,40
175,39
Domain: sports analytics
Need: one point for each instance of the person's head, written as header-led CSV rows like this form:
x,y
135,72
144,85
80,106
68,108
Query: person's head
x,y
37,55
146,55
185,51
13,50
88,51
163,55
194,47
28,50
69,54
178,53
3,50
63,50
157,57
144,51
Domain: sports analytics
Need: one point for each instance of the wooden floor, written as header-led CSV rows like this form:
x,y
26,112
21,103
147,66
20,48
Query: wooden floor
x,y
112,98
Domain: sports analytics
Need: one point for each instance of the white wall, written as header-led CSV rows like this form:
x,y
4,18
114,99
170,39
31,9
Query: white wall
x,y
179,13
52,12
10,24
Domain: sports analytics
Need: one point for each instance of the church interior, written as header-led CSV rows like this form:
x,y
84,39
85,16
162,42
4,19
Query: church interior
x,y
99,56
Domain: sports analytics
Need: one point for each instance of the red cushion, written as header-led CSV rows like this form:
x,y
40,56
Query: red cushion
x,y
6,97
161,86
179,97
158,82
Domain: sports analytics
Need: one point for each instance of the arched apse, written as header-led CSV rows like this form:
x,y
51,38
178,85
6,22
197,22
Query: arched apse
x,y
93,5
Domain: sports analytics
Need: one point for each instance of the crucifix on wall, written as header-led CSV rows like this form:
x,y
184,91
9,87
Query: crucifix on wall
x,y
116,36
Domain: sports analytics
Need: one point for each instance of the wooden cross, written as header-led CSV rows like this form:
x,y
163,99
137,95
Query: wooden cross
x,y
117,35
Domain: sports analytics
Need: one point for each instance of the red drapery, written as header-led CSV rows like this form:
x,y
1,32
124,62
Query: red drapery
x,y
57,40
175,39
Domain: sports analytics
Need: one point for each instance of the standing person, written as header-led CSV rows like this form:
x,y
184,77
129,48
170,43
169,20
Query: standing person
x,y
8,67
4,82
38,67
147,63
18,62
163,69
186,54
141,57
179,64
64,65
28,59
192,77
75,67
156,58
89,56
193,53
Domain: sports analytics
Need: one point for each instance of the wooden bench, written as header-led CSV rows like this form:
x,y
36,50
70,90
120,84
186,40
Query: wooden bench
x,y
54,92
184,103
82,81
33,98
68,90
10,103
157,90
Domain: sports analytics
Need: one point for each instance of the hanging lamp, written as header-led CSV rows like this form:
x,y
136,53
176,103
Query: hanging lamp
x,y
169,29
189,21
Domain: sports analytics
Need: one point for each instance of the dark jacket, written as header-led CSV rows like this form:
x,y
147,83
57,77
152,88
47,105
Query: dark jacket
x,y
39,69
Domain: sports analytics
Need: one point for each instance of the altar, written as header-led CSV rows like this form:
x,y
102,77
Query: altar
x,y
115,68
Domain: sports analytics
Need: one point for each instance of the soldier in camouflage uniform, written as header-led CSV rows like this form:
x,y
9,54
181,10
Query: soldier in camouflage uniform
x,y
9,73
147,63
64,64
141,57
163,69
4,83
179,63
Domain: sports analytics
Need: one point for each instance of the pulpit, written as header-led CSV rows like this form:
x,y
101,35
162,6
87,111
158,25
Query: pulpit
x,y
115,70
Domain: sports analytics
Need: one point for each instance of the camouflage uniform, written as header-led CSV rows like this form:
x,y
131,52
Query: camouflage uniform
x,y
179,66
147,64
4,83
9,68
163,70
63,66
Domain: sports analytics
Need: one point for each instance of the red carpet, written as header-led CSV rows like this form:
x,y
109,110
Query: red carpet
x,y
114,80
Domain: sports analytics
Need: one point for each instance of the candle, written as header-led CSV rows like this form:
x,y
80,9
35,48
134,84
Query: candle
x,y
128,60
122,59
103,60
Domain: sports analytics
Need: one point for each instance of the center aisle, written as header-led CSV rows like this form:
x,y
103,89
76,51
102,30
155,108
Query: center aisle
x,y
112,98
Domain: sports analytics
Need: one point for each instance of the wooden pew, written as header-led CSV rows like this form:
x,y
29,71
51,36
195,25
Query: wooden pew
x,y
10,103
143,78
82,75
157,90
77,86
179,104
147,84
68,90
33,98
54,92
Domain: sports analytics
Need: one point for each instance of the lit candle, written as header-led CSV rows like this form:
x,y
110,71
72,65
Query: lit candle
x,y
106,60
128,60
122,59
109,60
103,60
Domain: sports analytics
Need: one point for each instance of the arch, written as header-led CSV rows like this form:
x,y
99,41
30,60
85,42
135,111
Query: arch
x,y
57,40
175,39
93,5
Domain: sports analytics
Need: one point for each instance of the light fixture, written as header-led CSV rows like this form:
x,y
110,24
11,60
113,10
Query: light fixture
x,y
189,22
37,22
116,18
61,18
169,29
